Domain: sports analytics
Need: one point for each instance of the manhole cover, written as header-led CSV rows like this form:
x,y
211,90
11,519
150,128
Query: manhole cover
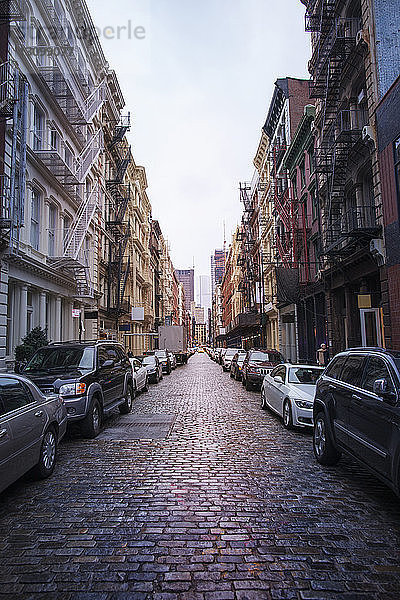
x,y
139,427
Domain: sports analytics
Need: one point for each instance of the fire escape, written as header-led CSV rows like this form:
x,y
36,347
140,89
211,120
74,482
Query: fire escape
x,y
248,258
13,109
338,45
118,196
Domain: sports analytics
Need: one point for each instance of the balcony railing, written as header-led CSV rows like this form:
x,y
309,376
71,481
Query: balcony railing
x,y
356,222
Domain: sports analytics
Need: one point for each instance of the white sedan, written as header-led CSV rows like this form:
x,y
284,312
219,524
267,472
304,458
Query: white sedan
x,y
288,390
140,376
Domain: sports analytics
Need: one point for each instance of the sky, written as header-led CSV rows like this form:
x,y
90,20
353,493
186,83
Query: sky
x,y
197,78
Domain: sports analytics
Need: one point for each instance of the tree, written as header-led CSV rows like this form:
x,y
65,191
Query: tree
x,y
34,340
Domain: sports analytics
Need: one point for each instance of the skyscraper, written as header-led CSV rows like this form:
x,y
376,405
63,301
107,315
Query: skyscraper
x,y
186,277
217,268
203,291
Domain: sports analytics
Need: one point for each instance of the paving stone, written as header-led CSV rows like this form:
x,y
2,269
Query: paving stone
x,y
225,505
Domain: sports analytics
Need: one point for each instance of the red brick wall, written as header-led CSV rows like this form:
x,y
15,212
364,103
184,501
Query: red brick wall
x,y
388,186
394,302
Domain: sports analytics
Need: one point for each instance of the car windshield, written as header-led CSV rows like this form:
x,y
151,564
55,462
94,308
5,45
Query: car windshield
x,y
161,354
272,357
149,360
304,375
230,352
240,359
54,359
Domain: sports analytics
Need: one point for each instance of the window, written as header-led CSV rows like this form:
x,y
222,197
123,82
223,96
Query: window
x,y
280,372
13,395
335,367
68,156
41,51
35,218
352,370
66,228
311,159
102,356
52,230
303,173
304,375
314,204
376,369
38,125
62,358
55,140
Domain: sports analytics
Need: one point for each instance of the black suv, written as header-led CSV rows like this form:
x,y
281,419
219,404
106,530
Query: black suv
x,y
357,411
257,364
92,378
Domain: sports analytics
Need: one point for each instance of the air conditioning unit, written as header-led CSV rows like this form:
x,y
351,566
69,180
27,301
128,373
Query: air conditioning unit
x,y
368,134
377,250
359,37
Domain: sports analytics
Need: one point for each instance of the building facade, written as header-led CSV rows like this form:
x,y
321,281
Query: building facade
x,y
186,277
217,268
344,86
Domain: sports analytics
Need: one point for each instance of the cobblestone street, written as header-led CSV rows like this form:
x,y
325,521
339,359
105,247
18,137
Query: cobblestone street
x,y
229,505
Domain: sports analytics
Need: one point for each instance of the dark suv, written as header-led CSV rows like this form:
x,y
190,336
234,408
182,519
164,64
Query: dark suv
x,y
92,378
257,364
357,411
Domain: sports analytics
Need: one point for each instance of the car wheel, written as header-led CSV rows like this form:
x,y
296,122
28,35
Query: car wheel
x,y
126,407
91,424
248,385
48,454
287,415
146,385
324,449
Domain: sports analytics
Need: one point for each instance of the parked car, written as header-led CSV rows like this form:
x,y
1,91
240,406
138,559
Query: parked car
x,y
154,368
164,359
357,411
140,375
31,427
288,390
227,359
237,364
257,364
172,360
93,378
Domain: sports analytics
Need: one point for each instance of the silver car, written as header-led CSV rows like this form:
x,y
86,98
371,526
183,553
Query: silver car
x,y
288,390
140,376
31,426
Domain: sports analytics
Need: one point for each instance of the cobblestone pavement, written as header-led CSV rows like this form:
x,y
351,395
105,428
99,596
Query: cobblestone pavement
x,y
229,506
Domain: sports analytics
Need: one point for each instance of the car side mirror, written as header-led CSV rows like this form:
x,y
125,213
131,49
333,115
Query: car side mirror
x,y
278,379
381,389
107,363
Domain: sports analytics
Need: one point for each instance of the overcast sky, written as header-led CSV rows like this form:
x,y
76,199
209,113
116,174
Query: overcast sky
x,y
198,78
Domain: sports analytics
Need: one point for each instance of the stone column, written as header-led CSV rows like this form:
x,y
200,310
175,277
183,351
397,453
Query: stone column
x,y
23,311
57,320
42,310
16,291
71,333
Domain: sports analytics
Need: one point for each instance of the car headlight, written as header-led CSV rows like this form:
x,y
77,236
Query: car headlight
x,y
304,403
72,389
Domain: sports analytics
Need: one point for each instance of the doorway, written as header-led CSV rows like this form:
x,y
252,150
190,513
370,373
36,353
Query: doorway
x,y
371,333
